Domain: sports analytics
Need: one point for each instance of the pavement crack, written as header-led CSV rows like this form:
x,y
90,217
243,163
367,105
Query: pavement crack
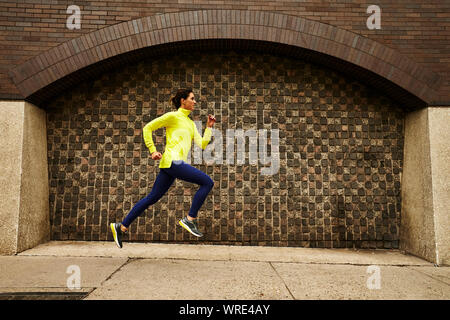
x,y
117,270
287,288
430,276
110,276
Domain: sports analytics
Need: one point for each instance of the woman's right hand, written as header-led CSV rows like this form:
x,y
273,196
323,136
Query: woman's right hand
x,y
156,155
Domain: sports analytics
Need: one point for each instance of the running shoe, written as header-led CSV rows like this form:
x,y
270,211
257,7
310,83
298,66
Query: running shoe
x,y
190,226
117,233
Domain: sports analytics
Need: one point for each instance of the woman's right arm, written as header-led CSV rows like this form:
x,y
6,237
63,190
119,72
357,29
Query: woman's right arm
x,y
155,124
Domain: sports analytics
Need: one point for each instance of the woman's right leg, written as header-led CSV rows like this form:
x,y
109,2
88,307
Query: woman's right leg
x,y
186,172
162,184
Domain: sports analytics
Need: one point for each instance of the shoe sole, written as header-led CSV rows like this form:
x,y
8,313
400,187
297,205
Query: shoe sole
x,y
189,229
113,229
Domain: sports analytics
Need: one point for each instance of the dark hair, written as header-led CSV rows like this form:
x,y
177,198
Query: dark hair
x,y
181,94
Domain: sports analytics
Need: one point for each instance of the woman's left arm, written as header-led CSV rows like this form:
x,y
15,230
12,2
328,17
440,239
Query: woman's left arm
x,y
155,124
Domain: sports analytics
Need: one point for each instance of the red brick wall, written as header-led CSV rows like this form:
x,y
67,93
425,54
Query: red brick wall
x,y
417,29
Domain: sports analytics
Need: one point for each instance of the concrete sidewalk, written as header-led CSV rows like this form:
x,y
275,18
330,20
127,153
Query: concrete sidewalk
x,y
166,271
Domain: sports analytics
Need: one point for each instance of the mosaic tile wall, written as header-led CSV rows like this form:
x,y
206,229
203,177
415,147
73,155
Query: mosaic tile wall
x,y
340,150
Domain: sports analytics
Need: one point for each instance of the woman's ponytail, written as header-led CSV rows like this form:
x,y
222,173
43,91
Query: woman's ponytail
x,y
181,94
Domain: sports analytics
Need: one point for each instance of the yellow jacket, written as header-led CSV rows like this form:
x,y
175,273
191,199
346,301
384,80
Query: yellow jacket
x,y
180,130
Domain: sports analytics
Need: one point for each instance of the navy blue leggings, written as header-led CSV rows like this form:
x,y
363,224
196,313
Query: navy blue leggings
x,y
165,178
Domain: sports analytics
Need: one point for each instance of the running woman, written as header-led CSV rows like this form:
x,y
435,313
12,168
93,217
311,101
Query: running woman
x,y
180,130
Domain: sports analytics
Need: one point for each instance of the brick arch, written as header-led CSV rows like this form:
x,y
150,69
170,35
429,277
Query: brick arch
x,y
371,60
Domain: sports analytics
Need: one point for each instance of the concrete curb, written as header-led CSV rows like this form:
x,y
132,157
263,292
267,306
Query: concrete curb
x,y
225,253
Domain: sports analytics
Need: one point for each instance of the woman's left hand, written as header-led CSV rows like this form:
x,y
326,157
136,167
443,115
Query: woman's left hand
x,y
211,121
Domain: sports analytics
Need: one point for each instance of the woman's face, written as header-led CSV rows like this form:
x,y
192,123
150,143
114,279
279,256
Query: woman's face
x,y
189,103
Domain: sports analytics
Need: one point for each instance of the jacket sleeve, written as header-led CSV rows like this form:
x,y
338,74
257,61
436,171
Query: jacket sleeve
x,y
202,142
162,121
